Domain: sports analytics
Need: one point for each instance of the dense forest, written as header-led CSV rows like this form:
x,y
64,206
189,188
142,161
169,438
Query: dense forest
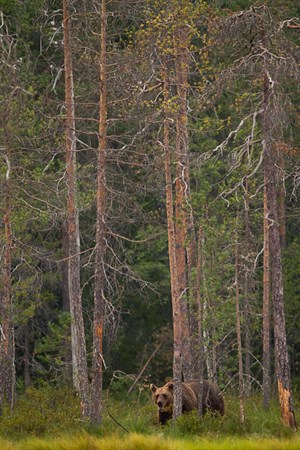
x,y
150,214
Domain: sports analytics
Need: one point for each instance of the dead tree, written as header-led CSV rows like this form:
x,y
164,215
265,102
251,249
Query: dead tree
x,y
79,360
100,241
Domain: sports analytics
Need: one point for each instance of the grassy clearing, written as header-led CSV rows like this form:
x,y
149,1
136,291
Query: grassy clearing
x,y
142,442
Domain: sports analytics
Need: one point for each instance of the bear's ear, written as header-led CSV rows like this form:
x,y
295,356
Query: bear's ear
x,y
153,387
170,385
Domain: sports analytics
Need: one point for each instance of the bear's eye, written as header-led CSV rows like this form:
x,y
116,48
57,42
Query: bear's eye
x,y
164,396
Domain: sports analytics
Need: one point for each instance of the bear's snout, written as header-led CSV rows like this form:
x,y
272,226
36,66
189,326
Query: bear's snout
x,y
159,404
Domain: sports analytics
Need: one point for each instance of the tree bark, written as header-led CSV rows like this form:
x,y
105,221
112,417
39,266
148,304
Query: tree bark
x,y
26,357
99,286
67,357
79,361
200,349
239,335
266,309
247,339
182,192
281,199
177,338
7,347
281,351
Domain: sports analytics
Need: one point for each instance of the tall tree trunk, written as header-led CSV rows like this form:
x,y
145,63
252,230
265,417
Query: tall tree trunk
x,y
239,334
26,357
266,309
182,191
177,340
7,347
79,361
67,357
281,351
205,312
281,199
247,343
99,298
200,348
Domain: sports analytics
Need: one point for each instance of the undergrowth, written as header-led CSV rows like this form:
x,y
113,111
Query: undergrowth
x,y
55,413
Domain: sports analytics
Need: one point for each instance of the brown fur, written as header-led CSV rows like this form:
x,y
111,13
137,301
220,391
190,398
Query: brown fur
x,y
163,398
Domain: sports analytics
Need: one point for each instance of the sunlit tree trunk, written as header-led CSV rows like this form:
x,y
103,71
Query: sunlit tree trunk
x,y
99,279
79,361
182,192
281,351
177,355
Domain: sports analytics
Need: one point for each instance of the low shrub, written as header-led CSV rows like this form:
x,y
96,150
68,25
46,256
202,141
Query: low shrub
x,y
53,412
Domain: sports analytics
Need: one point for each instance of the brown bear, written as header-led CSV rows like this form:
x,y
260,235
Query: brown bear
x,y
163,397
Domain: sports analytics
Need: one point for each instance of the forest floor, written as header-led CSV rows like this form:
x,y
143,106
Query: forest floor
x,y
49,418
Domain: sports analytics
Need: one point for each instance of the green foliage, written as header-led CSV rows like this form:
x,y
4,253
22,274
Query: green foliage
x,y
50,412
42,412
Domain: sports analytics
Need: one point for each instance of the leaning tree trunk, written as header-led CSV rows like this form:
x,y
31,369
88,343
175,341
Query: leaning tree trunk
x,y
79,361
99,280
177,356
7,349
281,351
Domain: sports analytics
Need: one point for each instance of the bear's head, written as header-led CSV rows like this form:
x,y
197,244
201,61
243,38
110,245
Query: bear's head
x,y
163,396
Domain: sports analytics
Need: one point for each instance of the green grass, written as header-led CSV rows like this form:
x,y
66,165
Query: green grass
x,y
142,442
49,418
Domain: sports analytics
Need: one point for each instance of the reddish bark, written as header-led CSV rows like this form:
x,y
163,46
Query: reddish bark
x,y
184,249
281,351
7,349
177,337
